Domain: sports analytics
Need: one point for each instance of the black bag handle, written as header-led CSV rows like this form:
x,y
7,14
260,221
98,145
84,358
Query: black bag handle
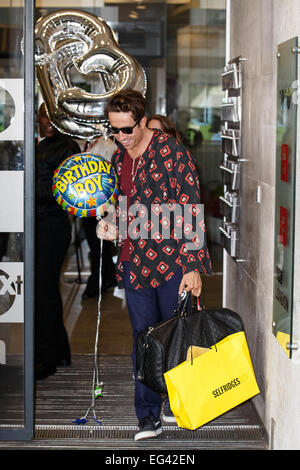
x,y
182,303
199,306
197,301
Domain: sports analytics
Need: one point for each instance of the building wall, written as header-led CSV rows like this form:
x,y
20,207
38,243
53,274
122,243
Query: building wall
x,y
256,28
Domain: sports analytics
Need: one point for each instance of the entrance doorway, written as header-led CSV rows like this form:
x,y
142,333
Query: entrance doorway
x,y
182,50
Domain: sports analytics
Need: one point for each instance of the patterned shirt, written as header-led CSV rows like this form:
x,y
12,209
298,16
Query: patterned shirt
x,y
162,239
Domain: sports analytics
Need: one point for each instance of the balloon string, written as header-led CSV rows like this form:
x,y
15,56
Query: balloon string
x,y
98,315
95,382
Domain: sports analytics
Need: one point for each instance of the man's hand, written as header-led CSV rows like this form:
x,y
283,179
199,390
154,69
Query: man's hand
x,y
106,230
191,282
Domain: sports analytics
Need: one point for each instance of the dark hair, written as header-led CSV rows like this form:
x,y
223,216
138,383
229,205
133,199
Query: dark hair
x,y
127,101
167,126
42,111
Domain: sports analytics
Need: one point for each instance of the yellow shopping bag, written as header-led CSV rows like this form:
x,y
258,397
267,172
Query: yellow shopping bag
x,y
212,383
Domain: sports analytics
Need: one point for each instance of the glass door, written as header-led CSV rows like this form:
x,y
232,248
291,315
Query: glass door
x,y
196,36
181,46
16,219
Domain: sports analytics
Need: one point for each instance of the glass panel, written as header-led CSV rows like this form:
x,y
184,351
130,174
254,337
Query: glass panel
x,y
181,47
12,410
196,58
285,193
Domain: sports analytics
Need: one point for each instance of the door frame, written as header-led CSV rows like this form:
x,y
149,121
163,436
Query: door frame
x,y
26,432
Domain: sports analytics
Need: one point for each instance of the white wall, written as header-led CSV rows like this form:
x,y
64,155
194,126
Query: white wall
x,y
257,27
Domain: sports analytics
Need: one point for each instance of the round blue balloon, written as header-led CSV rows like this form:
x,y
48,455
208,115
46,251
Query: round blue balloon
x,y
85,185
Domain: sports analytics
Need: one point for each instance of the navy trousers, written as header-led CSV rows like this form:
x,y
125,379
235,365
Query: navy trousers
x,y
146,308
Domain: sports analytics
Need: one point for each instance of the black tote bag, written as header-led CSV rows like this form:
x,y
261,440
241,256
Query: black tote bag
x,y
163,346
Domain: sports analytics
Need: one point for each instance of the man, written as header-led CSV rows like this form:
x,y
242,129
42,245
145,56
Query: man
x,y
155,172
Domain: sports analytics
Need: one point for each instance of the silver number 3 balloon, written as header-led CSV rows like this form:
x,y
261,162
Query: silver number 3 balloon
x,y
74,49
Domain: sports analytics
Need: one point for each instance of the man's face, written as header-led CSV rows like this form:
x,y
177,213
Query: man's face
x,y
121,119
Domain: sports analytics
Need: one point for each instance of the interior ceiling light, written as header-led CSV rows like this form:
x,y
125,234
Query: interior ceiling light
x,y
134,15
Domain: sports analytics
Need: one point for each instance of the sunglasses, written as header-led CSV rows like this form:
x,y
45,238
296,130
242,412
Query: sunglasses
x,y
125,130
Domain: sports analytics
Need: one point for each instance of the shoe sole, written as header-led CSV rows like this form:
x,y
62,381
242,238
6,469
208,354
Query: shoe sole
x,y
147,435
169,419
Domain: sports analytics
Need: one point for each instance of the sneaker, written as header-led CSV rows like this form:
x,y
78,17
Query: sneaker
x,y
149,427
168,416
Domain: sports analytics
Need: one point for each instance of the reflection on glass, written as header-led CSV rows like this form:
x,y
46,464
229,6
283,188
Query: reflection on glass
x,y
11,247
285,195
7,109
196,44
11,244
11,155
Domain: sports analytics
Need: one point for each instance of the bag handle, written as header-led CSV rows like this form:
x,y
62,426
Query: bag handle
x,y
183,299
198,303
199,306
183,304
184,308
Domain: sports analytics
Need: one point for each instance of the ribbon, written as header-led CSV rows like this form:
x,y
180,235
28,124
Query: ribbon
x,y
97,385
